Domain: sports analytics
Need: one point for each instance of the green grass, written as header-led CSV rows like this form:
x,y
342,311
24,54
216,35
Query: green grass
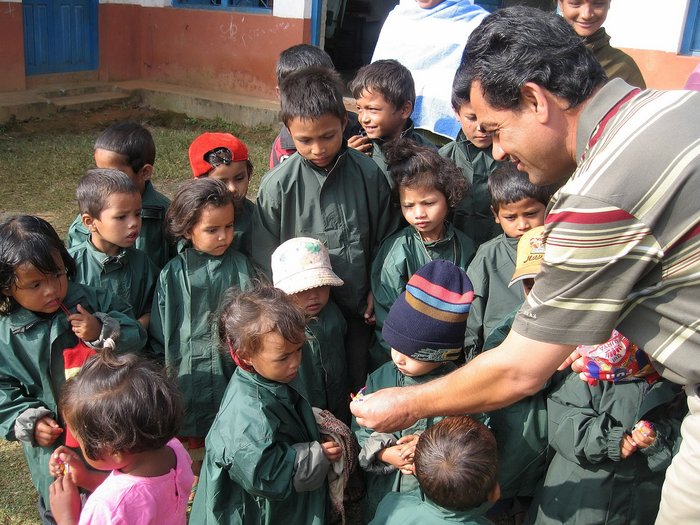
x,y
40,164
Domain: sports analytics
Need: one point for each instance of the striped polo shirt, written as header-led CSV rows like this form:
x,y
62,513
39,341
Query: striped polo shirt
x,y
623,234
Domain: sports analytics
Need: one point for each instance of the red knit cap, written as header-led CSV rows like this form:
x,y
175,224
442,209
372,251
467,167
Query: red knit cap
x,y
207,142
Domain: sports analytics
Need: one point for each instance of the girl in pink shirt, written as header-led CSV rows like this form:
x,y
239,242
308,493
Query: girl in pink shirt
x,y
124,412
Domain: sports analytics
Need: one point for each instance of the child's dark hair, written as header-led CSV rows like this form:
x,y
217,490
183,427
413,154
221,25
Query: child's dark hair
x,y
25,239
245,317
388,78
97,185
299,57
508,185
121,403
461,85
191,197
456,463
413,165
311,93
131,140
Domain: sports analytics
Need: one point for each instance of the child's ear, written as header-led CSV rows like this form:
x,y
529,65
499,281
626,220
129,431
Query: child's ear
x,y
88,221
495,215
495,493
145,172
406,109
345,121
188,234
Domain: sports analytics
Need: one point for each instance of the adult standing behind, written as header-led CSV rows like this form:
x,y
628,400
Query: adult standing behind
x,y
623,235
587,18
428,37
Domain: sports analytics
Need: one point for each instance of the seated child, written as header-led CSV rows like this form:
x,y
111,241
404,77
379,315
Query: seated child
x,y
129,147
615,439
428,188
302,269
385,95
329,192
125,412
425,330
266,461
189,291
471,152
518,206
44,320
293,59
110,207
222,156
455,464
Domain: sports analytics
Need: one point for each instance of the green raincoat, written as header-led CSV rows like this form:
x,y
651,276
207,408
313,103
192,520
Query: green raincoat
x,y
32,370
348,208
130,275
490,273
382,478
183,329
152,237
587,481
243,228
615,62
473,214
263,464
413,508
399,257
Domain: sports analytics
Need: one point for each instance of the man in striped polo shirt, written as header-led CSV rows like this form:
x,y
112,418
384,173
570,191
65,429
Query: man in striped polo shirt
x,y
623,234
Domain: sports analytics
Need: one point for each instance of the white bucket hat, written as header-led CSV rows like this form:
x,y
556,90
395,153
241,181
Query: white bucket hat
x,y
302,263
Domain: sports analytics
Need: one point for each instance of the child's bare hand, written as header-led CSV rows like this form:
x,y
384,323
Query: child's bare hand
x,y
408,469
66,462
575,361
46,431
408,446
85,325
65,501
361,143
369,311
331,449
627,446
643,434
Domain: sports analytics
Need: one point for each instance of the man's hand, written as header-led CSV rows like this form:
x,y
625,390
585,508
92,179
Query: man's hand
x,y
385,410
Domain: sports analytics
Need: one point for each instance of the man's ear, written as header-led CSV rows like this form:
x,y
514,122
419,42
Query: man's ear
x,y
145,172
406,109
534,99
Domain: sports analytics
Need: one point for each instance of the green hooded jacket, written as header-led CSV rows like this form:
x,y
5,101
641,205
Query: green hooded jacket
x,y
615,62
243,228
152,237
348,208
473,214
414,508
183,329
32,369
262,464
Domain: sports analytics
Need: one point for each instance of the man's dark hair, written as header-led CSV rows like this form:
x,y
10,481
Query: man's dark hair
x,y
516,45
131,140
300,57
387,78
508,185
310,94
456,463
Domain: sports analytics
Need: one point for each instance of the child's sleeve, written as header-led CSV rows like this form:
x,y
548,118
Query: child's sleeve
x,y
18,411
577,429
388,280
132,336
266,226
668,433
474,339
156,330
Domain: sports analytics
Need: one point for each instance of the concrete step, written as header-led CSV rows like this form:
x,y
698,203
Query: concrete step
x,y
82,88
87,101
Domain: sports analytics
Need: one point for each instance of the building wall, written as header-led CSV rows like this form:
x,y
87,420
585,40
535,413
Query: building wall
x,y
11,47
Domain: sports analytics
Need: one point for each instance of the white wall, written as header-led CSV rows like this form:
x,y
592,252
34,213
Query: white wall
x,y
647,24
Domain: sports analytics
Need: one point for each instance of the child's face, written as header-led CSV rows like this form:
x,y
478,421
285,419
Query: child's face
x,y
107,159
428,4
585,16
118,225
213,233
425,209
39,292
518,217
318,140
235,176
380,118
278,360
412,367
470,128
313,300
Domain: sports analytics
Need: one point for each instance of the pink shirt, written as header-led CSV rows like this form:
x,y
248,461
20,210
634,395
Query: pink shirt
x,y
128,500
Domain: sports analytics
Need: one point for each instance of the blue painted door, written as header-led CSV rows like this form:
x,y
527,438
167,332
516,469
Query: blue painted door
x,y
60,36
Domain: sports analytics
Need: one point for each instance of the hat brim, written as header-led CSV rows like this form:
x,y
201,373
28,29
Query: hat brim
x,y
308,279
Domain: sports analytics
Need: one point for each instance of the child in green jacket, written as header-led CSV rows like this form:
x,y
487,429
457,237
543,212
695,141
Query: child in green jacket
x,y
45,320
266,461
425,330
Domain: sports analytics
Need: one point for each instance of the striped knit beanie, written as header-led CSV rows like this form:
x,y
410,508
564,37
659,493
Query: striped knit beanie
x,y
428,321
